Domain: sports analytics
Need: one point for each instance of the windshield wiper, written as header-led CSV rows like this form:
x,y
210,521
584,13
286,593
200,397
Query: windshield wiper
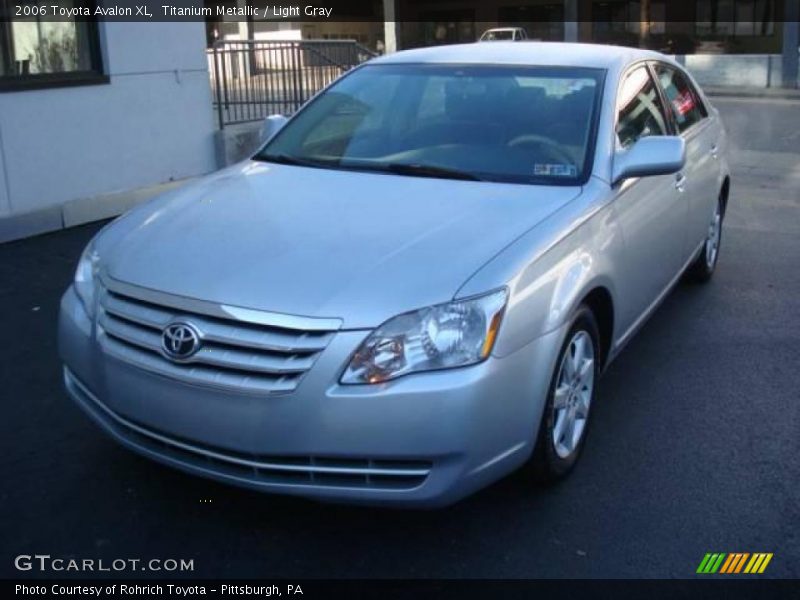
x,y
285,159
416,170
427,171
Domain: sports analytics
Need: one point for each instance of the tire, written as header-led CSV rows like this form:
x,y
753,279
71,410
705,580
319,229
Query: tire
x,y
701,270
555,455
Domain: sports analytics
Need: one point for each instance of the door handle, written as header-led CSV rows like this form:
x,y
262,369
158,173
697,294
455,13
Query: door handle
x,y
714,151
680,182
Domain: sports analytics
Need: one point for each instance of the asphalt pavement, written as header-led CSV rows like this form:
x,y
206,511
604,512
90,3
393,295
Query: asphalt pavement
x,y
694,448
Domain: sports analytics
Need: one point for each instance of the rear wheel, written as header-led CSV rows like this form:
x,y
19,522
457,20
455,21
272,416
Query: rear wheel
x,y
703,267
565,421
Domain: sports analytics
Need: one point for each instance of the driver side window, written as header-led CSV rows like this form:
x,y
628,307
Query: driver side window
x,y
640,112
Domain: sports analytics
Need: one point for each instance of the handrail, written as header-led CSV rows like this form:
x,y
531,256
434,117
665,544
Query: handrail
x,y
254,78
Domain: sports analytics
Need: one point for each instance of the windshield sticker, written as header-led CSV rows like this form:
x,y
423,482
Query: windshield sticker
x,y
555,170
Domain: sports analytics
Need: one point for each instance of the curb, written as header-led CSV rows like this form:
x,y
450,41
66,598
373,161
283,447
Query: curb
x,y
760,93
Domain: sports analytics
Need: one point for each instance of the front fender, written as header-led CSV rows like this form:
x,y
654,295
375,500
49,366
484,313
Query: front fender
x,y
550,270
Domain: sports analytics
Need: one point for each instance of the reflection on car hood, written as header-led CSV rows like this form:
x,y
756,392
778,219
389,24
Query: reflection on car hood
x,y
325,243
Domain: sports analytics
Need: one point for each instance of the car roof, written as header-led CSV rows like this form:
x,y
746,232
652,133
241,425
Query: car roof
x,y
525,53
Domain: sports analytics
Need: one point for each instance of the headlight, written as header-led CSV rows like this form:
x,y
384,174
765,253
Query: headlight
x,y
84,277
449,335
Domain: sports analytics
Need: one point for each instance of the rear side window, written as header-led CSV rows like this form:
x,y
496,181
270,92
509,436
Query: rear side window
x,y
687,108
640,112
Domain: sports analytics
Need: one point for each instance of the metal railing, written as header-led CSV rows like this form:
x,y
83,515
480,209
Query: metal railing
x,y
254,79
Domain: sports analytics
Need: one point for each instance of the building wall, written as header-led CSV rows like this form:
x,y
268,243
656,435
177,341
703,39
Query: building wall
x,y
151,124
737,70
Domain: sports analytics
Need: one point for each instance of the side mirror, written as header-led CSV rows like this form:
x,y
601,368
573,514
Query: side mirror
x,y
653,155
272,125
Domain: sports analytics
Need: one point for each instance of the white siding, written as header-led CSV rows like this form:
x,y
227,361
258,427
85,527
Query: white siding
x,y
152,123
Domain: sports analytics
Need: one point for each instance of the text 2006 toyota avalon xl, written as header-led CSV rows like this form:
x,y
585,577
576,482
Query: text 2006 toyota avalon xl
x,y
414,285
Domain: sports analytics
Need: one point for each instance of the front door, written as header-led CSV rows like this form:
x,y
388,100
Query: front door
x,y
651,211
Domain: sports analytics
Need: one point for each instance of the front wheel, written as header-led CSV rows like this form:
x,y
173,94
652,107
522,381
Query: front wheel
x,y
565,421
703,267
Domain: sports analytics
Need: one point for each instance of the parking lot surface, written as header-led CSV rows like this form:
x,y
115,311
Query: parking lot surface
x,y
694,448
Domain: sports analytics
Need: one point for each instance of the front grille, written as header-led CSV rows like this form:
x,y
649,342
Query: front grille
x,y
238,355
319,471
291,470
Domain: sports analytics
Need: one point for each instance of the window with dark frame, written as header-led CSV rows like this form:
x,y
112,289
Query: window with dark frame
x,y
37,51
624,16
735,18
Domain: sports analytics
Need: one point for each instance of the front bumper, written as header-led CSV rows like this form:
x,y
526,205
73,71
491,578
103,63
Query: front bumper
x,y
426,439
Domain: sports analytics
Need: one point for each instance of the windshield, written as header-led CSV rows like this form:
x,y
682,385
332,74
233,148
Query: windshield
x,y
496,123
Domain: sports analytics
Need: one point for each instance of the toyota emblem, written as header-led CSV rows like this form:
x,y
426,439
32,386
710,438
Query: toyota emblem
x,y
180,341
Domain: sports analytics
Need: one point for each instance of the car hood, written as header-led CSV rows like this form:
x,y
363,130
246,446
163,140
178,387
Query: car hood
x,y
361,247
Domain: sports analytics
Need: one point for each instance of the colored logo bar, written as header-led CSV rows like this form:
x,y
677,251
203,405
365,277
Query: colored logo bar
x,y
734,562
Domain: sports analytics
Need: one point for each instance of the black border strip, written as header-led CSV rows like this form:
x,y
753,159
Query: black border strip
x,y
731,587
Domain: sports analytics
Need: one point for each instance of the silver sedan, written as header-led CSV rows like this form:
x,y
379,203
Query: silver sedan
x,y
414,285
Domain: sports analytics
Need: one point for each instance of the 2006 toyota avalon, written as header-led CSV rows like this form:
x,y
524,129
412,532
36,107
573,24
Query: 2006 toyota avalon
x,y
414,285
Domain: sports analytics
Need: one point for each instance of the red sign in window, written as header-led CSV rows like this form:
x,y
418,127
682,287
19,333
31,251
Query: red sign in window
x,y
684,103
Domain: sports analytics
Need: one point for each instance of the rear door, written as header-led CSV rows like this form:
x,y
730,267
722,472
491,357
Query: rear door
x,y
692,122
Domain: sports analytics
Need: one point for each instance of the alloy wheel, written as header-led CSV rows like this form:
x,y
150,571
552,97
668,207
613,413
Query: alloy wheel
x,y
713,239
573,394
